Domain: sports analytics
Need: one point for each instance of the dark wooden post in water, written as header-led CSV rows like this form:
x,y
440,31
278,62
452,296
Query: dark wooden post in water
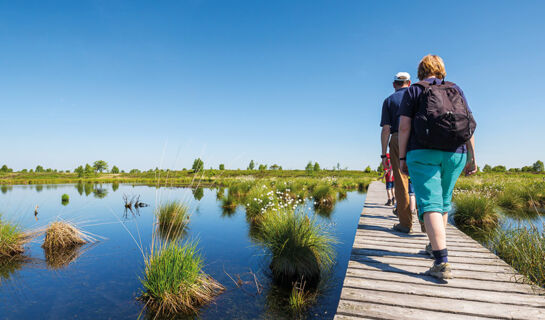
x,y
384,279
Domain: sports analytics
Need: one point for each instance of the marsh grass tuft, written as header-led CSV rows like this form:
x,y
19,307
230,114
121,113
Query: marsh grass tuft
x,y
172,219
475,211
62,235
324,196
65,199
524,249
12,239
300,247
174,281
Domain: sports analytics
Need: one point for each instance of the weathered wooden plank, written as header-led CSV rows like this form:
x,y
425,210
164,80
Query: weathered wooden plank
x,y
499,276
458,295
346,317
400,247
384,278
452,259
420,242
425,263
412,236
457,282
379,311
470,308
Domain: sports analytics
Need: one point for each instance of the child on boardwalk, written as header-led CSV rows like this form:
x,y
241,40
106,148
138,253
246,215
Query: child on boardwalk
x,y
389,177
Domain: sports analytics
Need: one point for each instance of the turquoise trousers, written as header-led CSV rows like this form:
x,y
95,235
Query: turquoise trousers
x,y
433,174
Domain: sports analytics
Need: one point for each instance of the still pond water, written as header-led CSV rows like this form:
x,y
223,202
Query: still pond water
x,y
103,282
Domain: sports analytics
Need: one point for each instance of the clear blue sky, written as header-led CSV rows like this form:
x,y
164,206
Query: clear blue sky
x,y
142,84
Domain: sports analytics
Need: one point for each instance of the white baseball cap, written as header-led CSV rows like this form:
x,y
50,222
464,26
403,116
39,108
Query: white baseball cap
x,y
402,76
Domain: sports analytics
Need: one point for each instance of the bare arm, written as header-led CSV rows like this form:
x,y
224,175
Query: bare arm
x,y
471,166
384,139
403,136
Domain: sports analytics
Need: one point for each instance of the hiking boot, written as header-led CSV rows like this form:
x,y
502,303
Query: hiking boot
x,y
429,250
440,271
400,228
389,203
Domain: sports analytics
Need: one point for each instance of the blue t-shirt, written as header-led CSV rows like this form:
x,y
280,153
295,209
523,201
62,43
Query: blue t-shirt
x,y
390,108
409,106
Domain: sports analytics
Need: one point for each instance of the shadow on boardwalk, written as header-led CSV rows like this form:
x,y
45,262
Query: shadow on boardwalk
x,y
385,279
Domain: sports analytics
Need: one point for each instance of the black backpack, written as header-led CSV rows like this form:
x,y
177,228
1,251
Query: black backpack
x,y
442,120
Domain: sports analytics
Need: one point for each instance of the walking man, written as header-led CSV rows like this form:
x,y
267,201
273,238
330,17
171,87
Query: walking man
x,y
390,124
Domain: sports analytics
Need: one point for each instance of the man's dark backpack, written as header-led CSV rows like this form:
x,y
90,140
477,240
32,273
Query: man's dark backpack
x,y
443,120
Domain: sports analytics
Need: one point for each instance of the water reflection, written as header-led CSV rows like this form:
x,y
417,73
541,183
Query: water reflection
x,y
100,192
5,188
58,259
79,188
227,241
88,188
170,233
9,266
198,193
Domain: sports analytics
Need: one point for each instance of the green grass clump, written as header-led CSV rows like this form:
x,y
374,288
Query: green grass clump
x,y
240,189
475,211
257,201
510,200
174,281
12,239
299,299
65,199
524,249
229,202
172,219
300,247
324,196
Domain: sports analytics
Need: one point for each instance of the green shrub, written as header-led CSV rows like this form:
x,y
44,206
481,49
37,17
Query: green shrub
x,y
174,281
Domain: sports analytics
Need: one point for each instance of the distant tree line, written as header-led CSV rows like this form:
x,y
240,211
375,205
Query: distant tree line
x,y
537,167
101,166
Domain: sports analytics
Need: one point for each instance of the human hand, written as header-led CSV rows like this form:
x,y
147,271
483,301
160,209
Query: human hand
x,y
470,167
403,167
384,162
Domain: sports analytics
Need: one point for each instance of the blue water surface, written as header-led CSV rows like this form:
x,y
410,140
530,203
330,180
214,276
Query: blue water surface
x,y
103,281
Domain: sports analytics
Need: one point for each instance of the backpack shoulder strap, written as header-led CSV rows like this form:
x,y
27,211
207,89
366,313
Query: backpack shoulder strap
x,y
424,84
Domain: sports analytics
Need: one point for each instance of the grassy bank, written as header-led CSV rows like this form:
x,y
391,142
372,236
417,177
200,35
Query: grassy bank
x,y
167,177
484,202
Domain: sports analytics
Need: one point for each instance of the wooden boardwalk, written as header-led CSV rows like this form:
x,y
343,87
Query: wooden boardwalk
x,y
384,278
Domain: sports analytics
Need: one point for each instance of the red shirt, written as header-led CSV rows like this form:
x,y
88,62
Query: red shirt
x,y
389,175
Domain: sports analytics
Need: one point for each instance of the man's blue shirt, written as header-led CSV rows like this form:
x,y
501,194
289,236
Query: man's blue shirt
x,y
390,108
